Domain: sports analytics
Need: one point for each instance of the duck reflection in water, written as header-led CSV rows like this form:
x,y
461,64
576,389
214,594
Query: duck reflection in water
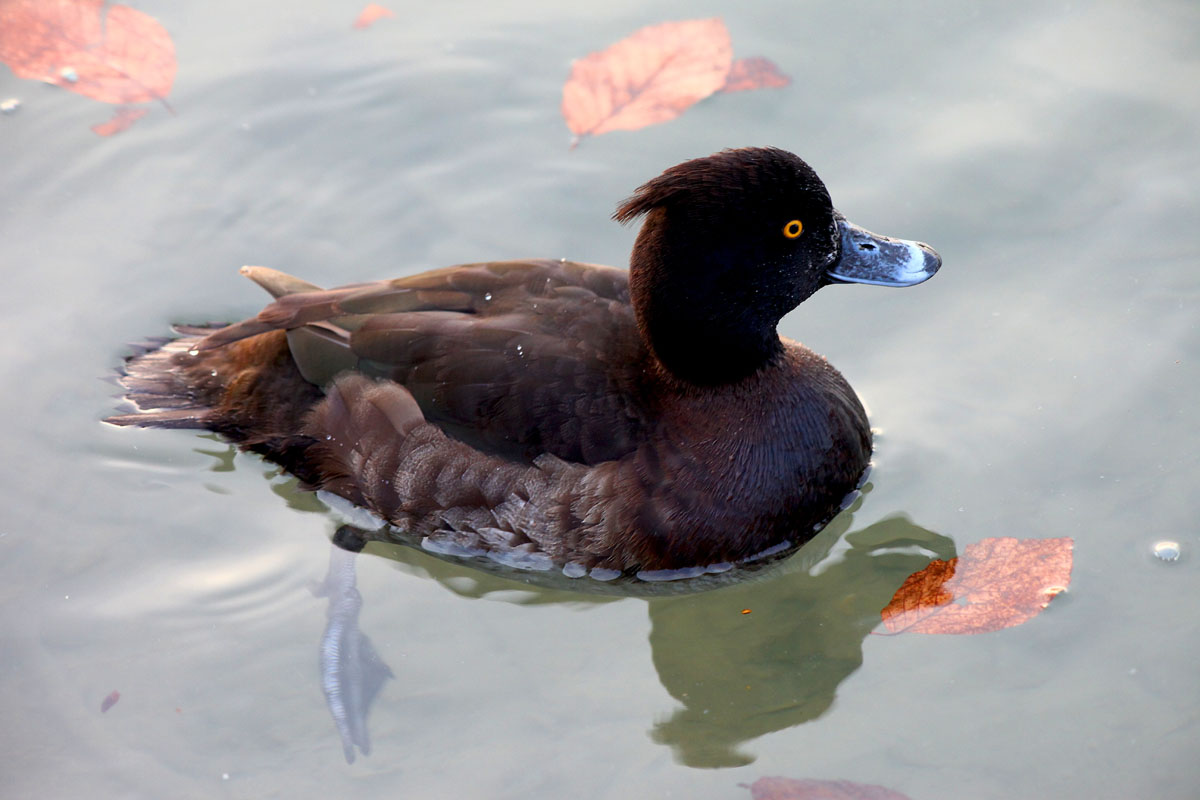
x,y
739,676
736,676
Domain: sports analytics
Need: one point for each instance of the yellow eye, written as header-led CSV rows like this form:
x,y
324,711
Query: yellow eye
x,y
793,229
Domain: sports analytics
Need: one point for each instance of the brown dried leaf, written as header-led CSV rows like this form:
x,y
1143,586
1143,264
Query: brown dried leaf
x,y
794,789
124,56
754,73
371,14
122,118
994,584
647,78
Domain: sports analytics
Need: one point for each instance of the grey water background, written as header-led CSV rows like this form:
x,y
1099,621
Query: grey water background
x,y
1044,384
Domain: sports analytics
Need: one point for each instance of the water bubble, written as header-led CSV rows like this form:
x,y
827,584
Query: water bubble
x,y
10,105
487,296
1166,550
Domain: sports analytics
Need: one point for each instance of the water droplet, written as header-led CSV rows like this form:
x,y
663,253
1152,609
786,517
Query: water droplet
x,y
487,296
193,352
68,74
1166,550
10,105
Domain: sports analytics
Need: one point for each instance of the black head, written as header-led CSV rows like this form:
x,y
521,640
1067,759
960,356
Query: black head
x,y
731,243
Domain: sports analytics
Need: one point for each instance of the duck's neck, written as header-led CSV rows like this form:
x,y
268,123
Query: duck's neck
x,y
698,313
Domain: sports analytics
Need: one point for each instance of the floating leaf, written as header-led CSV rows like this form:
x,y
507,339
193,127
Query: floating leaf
x,y
994,584
371,14
754,73
110,700
647,78
794,789
122,56
122,118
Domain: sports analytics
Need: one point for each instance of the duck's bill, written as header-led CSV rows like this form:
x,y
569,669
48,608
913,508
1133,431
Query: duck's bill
x,y
881,260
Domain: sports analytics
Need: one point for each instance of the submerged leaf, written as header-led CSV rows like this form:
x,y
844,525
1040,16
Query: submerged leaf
x,y
371,14
109,701
122,56
649,77
994,584
798,789
754,73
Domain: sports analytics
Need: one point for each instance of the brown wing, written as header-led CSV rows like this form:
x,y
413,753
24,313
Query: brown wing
x,y
519,358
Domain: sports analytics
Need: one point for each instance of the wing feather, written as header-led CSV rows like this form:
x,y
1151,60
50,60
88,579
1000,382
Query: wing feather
x,y
519,358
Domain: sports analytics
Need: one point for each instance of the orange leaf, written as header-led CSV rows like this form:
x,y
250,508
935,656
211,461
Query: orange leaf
x,y
122,118
124,56
754,73
647,78
371,14
793,789
994,584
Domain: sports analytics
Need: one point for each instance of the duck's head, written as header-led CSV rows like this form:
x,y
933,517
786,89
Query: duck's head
x,y
734,241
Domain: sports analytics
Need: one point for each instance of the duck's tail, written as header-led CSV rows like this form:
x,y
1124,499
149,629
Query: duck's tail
x,y
161,391
169,383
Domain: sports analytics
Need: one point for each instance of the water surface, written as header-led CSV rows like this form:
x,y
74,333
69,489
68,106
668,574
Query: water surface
x,y
1042,385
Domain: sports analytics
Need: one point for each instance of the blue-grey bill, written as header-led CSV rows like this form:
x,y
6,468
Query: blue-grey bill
x,y
881,260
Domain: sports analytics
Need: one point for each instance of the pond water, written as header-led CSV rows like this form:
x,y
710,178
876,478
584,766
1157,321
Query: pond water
x,y
1043,385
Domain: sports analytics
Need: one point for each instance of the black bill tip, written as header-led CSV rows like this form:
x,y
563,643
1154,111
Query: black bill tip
x,y
881,260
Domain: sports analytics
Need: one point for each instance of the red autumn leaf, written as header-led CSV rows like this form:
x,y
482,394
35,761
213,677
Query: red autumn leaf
x,y
650,77
122,56
754,73
110,700
793,789
122,118
994,584
371,14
